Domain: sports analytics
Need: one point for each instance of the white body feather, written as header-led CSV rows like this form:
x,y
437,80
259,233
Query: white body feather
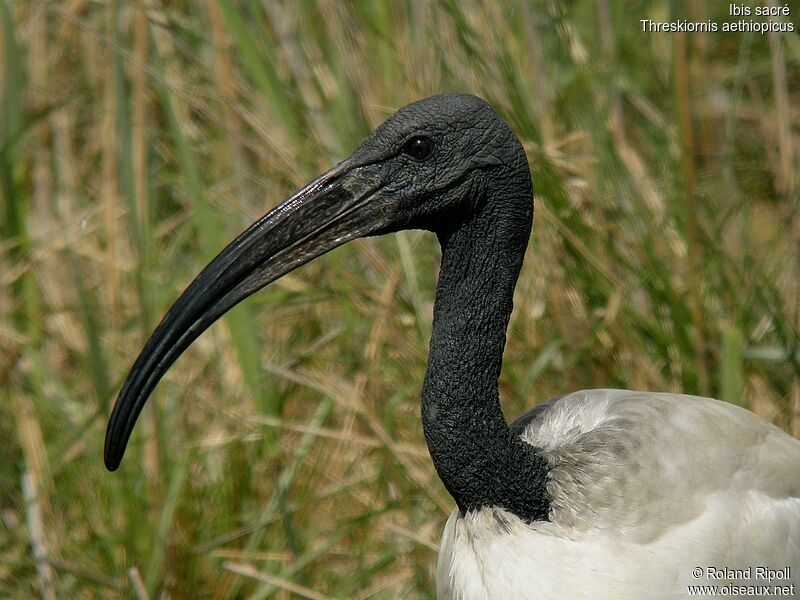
x,y
645,488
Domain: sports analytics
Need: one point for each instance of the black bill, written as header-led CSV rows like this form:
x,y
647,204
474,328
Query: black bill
x,y
337,207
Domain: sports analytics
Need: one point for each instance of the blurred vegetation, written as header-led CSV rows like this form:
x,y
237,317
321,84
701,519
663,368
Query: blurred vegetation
x,y
283,455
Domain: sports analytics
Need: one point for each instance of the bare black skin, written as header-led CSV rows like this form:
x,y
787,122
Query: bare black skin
x,y
447,164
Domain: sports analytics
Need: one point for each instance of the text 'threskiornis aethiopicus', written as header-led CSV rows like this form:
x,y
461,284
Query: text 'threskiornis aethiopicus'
x,y
595,494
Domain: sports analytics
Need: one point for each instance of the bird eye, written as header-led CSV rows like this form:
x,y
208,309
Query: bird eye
x,y
418,147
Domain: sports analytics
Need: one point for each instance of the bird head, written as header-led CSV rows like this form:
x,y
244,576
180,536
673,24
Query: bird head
x,y
426,167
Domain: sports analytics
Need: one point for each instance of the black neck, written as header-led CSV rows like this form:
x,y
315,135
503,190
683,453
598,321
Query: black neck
x,y
480,461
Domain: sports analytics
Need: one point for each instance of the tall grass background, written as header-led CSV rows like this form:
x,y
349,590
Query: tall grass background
x,y
283,456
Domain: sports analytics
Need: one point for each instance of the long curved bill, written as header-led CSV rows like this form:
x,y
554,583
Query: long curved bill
x,y
337,207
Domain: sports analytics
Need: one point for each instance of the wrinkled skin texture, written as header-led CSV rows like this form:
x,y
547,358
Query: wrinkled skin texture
x,y
473,189
541,505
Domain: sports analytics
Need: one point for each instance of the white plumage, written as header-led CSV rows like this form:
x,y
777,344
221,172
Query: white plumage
x,y
645,488
609,494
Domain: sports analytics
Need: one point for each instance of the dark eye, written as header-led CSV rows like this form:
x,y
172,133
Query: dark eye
x,y
418,147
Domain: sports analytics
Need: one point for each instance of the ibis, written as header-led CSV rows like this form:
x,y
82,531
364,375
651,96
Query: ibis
x,y
595,494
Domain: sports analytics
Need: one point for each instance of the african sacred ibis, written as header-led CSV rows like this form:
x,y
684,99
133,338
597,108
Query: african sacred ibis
x,y
595,494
